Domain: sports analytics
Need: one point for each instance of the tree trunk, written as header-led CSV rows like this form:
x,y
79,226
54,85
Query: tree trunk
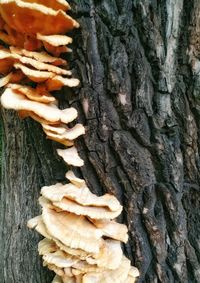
x,y
138,62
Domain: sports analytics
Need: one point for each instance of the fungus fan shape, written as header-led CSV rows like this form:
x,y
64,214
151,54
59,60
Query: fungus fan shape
x,y
82,240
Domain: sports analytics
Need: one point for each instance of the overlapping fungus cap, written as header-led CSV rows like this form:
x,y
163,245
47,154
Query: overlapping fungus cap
x,y
37,67
14,77
74,179
63,132
92,212
109,257
57,82
12,37
34,75
7,60
57,226
24,114
38,224
101,266
99,259
11,99
26,17
58,139
43,56
56,51
43,66
73,231
81,201
112,229
118,275
32,93
71,156
5,80
55,40
54,4
60,259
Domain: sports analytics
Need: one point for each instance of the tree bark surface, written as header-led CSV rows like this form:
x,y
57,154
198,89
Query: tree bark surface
x,y
138,62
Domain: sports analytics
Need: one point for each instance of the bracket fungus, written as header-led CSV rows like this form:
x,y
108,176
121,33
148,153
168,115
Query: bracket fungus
x,y
26,17
71,156
82,240
39,56
55,40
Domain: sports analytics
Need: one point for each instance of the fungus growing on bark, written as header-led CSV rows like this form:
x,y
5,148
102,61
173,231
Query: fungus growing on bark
x,y
110,255
72,230
11,99
39,56
55,40
82,241
5,80
57,279
118,275
6,61
34,75
75,180
63,132
89,211
112,229
81,195
32,94
54,4
57,82
26,17
70,156
43,66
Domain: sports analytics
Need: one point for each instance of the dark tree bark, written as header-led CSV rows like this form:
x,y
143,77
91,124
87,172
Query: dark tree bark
x,y
138,62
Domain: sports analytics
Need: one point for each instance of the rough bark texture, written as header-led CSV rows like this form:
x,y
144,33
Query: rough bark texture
x,y
138,62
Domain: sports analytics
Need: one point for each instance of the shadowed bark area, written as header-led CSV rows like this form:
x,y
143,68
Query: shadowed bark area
x,y
138,62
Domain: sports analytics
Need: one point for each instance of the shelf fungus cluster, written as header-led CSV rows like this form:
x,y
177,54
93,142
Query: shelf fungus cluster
x,y
82,240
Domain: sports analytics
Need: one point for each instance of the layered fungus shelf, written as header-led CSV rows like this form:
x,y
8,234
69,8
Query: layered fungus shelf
x,y
82,241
